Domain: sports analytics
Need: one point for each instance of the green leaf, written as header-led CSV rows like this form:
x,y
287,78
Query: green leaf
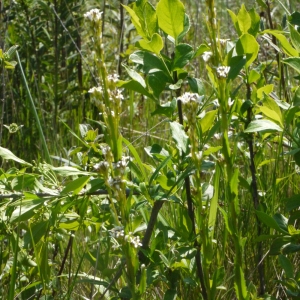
x,y
235,21
155,45
134,86
271,114
201,49
247,45
244,19
227,224
269,221
293,62
76,185
286,46
240,283
236,64
292,202
262,125
7,154
286,265
282,221
183,54
135,76
180,137
266,89
171,16
69,171
26,210
147,18
294,18
295,37
207,121
186,28
136,22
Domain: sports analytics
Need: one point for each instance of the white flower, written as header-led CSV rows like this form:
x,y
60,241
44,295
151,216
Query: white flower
x,y
117,94
93,15
95,90
223,71
134,240
113,77
206,55
223,41
190,97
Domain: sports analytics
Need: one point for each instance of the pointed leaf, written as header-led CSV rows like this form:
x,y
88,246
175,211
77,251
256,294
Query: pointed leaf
x,y
135,76
7,154
183,54
293,62
244,19
262,125
155,45
171,15
76,185
180,137
247,45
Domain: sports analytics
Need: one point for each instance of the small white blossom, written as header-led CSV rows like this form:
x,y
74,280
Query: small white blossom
x,y
117,94
207,55
190,97
223,71
223,41
113,77
94,15
134,240
95,90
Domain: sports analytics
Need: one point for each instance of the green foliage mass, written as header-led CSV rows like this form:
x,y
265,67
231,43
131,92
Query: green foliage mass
x,y
149,149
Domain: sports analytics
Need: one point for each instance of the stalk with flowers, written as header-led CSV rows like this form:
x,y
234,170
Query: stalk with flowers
x,y
108,98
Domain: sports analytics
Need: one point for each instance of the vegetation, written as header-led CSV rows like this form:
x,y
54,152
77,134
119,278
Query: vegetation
x,y
149,150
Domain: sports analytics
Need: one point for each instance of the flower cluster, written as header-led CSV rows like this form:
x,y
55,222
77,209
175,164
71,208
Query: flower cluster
x,y
191,103
188,97
121,165
134,240
222,71
113,77
94,15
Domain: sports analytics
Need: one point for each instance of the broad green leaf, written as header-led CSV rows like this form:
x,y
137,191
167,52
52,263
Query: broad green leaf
x,y
135,76
236,64
179,136
136,22
266,89
282,221
186,28
247,45
26,210
253,76
271,114
235,21
76,185
165,182
70,225
69,171
161,166
147,18
255,22
285,44
293,62
244,19
155,45
151,63
134,86
208,120
183,54
262,125
157,82
171,15
292,202
7,154
269,221
294,18
295,37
